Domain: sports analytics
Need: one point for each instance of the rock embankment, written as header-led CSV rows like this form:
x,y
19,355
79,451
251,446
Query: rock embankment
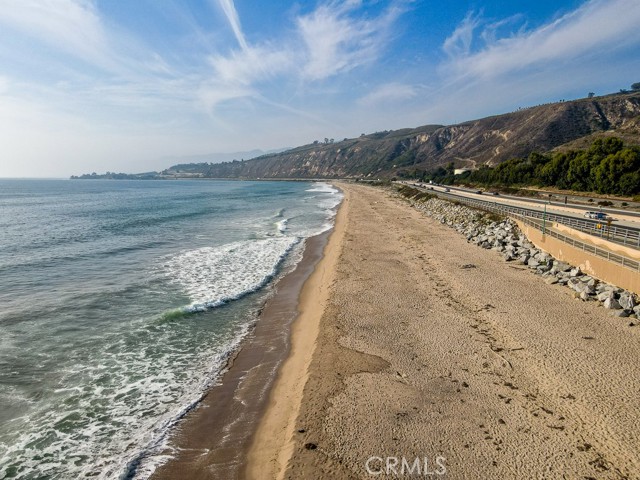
x,y
490,231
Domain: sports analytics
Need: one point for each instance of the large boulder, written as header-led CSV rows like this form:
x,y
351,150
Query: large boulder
x,y
561,266
575,272
532,262
612,304
576,284
606,295
508,256
627,300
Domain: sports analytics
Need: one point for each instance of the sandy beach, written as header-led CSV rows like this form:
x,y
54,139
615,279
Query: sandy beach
x,y
212,440
413,344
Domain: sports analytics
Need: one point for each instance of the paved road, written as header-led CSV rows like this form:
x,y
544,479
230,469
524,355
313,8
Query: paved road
x,y
578,207
625,229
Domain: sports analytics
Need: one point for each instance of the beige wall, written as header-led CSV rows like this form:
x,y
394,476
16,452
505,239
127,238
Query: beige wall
x,y
598,242
593,265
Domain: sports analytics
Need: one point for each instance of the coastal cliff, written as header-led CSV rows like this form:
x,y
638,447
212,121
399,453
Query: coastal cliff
x,y
487,141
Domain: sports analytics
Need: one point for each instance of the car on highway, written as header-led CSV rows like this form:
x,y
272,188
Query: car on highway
x,y
596,215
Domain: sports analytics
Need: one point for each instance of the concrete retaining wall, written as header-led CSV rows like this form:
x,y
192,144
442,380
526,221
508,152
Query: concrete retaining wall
x,y
593,265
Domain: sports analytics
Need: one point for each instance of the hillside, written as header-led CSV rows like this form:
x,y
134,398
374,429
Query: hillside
x,y
488,141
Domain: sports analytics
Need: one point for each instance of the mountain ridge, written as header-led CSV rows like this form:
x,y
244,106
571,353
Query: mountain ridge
x,y
485,141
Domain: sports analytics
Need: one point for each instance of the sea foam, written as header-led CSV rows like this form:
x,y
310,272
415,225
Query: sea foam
x,y
212,276
323,188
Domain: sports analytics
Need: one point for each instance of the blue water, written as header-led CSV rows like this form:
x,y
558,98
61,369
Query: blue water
x,y
120,303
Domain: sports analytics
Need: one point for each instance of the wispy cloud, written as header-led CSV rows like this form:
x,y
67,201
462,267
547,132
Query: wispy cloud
x,y
596,26
229,9
210,95
192,67
459,42
338,41
71,26
328,41
252,65
390,92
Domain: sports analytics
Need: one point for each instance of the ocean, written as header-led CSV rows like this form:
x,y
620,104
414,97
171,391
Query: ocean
x,y
120,303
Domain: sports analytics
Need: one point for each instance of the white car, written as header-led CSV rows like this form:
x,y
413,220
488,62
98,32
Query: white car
x,y
596,215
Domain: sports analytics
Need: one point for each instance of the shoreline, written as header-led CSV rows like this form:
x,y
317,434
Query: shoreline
x,y
272,444
212,440
213,436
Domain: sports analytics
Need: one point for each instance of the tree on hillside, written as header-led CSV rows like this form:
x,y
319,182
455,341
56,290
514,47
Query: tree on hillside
x,y
614,167
635,86
607,146
607,166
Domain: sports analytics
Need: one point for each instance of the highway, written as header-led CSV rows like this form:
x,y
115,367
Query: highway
x,y
624,229
580,207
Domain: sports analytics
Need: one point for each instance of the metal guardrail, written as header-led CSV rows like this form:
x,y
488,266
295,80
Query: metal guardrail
x,y
621,235
610,256
525,216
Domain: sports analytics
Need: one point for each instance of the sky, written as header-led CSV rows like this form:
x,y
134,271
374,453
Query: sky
x,y
124,86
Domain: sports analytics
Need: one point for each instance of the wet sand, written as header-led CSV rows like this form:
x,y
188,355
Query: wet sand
x,y
421,345
212,440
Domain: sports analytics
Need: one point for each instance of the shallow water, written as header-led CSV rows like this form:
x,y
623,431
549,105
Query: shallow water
x,y
121,301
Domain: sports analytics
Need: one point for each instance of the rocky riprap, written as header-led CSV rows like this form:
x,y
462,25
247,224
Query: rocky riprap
x,y
492,232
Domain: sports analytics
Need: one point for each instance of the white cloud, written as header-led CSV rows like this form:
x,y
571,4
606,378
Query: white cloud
x,y
251,65
390,92
459,42
595,27
337,42
329,41
212,94
72,26
229,9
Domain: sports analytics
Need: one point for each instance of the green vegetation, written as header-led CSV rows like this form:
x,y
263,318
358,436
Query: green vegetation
x,y
414,193
607,167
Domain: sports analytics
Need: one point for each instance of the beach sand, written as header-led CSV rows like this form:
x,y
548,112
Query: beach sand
x,y
413,343
212,440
